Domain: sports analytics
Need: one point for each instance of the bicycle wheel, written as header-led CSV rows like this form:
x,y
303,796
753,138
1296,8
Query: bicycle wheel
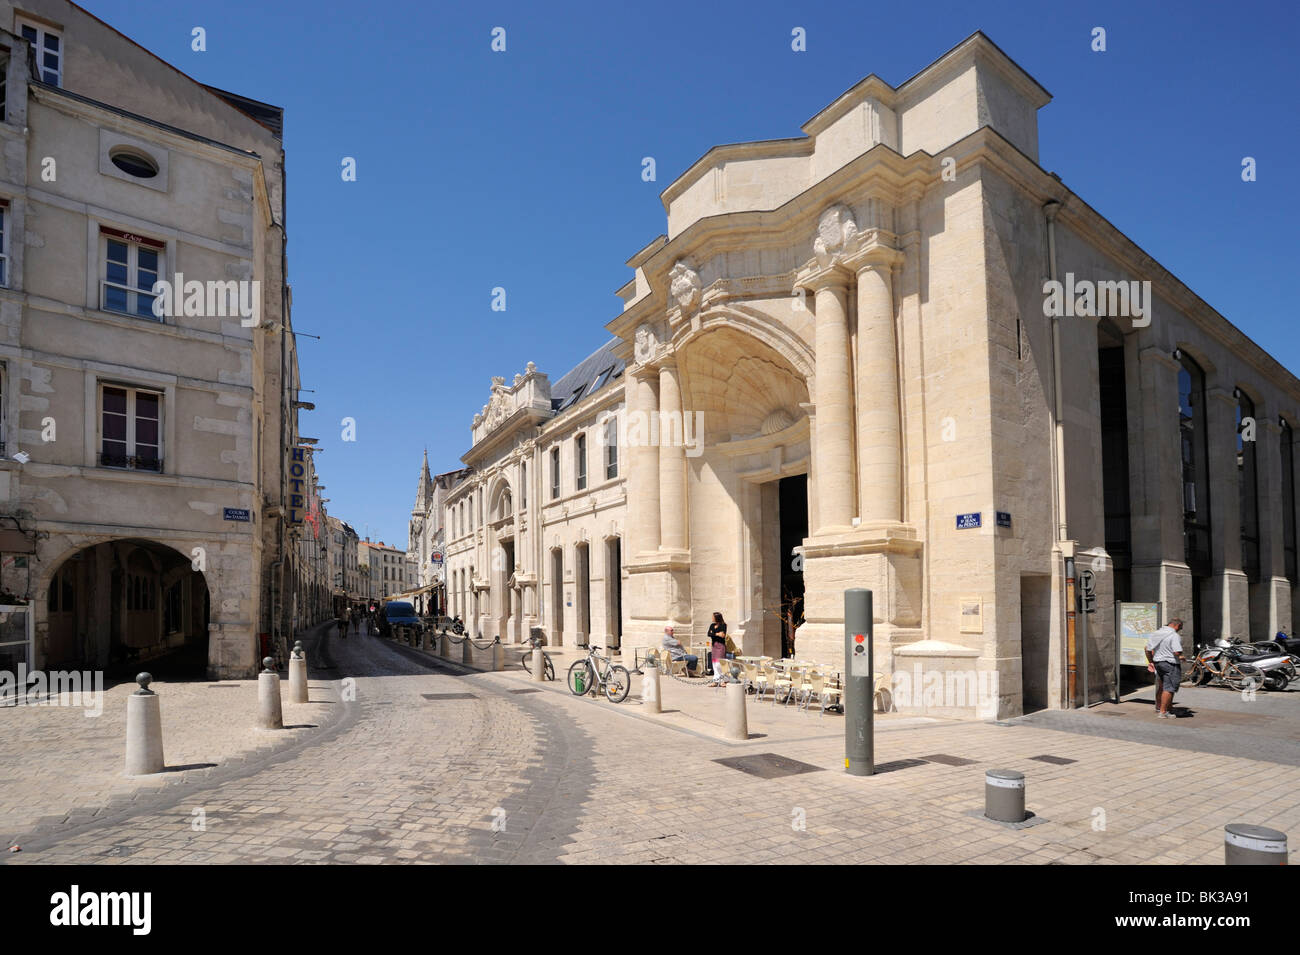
x,y
550,667
1243,676
587,678
526,661
1192,675
617,684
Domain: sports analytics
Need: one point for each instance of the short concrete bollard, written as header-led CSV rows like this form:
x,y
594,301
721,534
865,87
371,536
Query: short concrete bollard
x,y
1245,844
270,716
538,665
498,656
651,692
467,652
424,641
1004,795
444,647
298,674
737,720
144,748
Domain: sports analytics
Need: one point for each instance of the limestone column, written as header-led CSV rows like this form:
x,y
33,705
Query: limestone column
x,y
1270,601
879,458
1155,488
1226,605
834,400
642,398
672,460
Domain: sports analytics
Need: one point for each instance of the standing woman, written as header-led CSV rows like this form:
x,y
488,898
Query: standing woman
x,y
718,639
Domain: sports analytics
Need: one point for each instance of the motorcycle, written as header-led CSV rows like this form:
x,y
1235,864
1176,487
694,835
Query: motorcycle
x,y
457,627
1279,669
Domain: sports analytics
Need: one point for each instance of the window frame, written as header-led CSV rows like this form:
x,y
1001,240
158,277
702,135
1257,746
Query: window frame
x,y
611,448
132,289
555,474
40,46
6,226
131,458
580,461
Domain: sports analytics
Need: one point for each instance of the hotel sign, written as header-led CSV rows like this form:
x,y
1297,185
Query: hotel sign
x,y
297,477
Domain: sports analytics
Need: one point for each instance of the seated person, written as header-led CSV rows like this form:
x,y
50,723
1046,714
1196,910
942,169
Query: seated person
x,y
678,652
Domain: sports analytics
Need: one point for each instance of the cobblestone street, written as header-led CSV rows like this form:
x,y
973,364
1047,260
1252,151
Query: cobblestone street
x,y
435,763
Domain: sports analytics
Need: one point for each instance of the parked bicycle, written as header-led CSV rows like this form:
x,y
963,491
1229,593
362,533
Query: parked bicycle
x,y
1219,668
526,661
595,671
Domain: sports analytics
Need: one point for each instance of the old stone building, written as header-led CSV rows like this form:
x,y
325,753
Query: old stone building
x,y
846,367
155,489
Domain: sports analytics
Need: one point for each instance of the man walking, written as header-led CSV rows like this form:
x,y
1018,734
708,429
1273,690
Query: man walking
x,y
1164,658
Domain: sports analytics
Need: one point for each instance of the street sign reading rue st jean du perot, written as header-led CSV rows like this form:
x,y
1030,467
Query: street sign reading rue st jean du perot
x,y
967,521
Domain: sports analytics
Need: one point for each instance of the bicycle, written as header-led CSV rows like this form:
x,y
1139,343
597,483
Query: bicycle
x,y
526,661
585,676
1211,666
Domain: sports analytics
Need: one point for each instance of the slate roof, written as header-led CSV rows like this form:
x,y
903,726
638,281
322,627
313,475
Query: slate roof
x,y
589,376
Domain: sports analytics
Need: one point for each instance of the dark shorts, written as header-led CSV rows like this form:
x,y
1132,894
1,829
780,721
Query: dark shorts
x,y
1168,674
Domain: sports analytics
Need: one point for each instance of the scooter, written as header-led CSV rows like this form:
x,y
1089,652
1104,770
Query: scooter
x,y
1279,668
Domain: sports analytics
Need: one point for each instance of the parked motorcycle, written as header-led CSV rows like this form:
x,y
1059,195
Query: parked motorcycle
x,y
1278,668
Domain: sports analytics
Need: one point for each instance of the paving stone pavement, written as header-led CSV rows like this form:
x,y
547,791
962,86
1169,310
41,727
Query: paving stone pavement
x,y
408,772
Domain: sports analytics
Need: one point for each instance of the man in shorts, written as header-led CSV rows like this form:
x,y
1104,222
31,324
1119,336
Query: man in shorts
x,y
1164,659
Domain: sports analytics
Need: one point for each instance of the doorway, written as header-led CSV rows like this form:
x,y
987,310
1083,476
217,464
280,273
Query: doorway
x,y
792,521
614,593
1035,640
557,597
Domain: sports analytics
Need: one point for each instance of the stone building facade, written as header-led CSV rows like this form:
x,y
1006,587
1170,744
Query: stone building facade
x,y
153,484
845,367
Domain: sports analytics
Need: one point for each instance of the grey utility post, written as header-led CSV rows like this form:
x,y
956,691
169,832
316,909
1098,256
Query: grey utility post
x,y
269,714
298,674
859,683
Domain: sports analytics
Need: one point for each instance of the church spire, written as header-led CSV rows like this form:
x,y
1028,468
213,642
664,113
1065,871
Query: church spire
x,y
424,493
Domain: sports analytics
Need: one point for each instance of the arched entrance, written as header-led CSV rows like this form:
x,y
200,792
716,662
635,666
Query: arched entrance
x,y
122,602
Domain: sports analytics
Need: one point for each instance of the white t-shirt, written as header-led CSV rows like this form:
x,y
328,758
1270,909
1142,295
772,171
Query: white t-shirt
x,y
1164,644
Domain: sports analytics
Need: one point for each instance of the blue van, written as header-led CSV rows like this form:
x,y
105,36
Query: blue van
x,y
399,613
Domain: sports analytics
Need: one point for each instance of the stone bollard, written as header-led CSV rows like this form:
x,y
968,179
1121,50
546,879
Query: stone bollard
x,y
538,665
651,692
444,646
298,674
737,720
1253,845
424,640
144,747
1004,795
269,714
498,655
467,651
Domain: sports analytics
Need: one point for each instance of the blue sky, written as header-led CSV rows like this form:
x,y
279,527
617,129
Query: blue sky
x,y
523,169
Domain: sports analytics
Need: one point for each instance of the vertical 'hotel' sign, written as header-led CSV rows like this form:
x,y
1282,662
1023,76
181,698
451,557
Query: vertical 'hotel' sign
x,y
297,474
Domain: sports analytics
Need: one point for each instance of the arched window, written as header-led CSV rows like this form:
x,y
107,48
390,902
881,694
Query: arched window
x,y
1196,480
1246,486
1288,502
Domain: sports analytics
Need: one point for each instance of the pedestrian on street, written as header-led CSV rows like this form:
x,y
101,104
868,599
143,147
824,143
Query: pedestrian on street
x,y
718,646
343,627
1164,652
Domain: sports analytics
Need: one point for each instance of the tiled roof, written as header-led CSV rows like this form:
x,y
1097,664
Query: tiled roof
x,y
588,377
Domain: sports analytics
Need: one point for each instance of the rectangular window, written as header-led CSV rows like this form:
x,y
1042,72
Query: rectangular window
x,y
131,266
4,243
523,485
611,449
580,462
4,91
47,47
4,383
130,428
555,473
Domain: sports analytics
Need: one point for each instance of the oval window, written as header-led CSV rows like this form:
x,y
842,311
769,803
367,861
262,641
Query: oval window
x,y
134,164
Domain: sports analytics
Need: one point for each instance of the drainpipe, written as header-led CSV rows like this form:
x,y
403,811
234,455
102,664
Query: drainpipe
x,y
1050,210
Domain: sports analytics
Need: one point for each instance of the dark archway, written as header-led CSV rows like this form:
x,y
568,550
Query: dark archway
x,y
118,604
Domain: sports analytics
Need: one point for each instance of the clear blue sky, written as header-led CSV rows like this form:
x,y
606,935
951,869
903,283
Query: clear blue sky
x,y
523,169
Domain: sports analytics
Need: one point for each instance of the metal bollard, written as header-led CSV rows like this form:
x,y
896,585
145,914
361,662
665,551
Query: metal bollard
x,y
144,747
737,720
1245,844
539,665
1004,795
298,674
859,683
467,651
269,714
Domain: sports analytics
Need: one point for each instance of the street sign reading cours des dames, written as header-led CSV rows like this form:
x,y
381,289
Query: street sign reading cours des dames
x,y
235,514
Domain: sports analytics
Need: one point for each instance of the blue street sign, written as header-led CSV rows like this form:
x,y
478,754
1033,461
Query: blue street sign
x,y
236,514
967,521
